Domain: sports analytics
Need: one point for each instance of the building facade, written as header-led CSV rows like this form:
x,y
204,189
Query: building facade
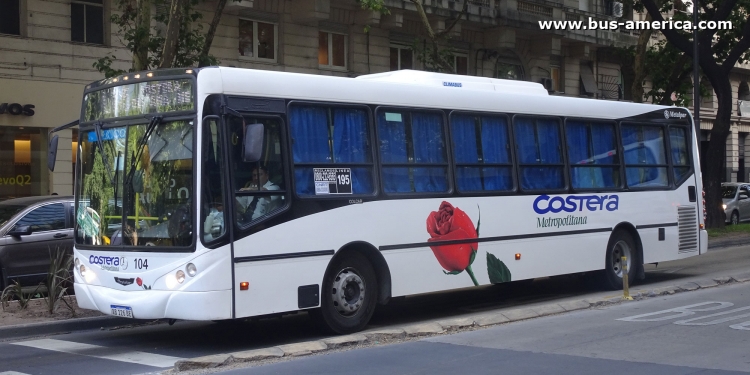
x,y
48,48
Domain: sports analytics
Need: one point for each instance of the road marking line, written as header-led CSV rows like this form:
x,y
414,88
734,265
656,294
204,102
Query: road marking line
x,y
115,354
13,373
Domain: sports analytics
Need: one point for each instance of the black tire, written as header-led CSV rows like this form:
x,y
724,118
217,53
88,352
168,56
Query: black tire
x,y
735,218
348,296
620,244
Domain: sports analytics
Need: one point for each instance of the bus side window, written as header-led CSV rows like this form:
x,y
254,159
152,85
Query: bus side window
x,y
680,158
482,153
645,158
539,150
592,155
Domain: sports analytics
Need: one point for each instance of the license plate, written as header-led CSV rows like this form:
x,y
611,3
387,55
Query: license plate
x,y
122,311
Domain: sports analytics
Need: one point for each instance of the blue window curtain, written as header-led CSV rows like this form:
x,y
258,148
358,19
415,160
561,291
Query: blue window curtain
x,y
680,157
393,149
538,145
495,145
429,148
350,145
464,134
312,142
591,144
644,154
494,150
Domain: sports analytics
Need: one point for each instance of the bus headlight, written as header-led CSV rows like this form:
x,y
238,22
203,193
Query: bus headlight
x,y
191,269
180,276
724,206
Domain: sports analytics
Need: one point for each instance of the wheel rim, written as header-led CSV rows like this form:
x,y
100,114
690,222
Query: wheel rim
x,y
621,249
735,218
348,292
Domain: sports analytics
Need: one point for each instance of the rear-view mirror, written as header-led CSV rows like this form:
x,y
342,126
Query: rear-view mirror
x,y
52,153
252,145
20,230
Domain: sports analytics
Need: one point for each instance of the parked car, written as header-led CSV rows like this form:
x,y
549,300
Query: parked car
x,y
31,230
736,201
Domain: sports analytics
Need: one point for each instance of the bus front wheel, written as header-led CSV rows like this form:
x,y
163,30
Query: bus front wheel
x,y
349,294
620,245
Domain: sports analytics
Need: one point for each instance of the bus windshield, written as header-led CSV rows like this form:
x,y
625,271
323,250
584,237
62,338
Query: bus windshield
x,y
135,181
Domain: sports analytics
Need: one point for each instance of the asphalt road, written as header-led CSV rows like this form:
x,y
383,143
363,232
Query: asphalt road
x,y
155,347
702,332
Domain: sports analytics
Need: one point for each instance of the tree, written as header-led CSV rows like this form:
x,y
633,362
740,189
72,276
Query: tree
x,y
436,53
174,39
719,51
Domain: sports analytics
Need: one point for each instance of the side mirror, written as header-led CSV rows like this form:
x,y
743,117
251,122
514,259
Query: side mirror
x,y
252,145
20,230
52,153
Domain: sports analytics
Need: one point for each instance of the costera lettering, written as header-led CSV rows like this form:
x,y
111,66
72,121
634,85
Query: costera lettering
x,y
554,204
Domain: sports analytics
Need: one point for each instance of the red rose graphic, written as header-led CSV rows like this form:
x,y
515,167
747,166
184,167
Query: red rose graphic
x,y
451,224
139,281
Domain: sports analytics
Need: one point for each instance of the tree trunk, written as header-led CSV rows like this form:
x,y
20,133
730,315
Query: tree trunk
x,y
717,147
173,33
142,35
639,63
203,57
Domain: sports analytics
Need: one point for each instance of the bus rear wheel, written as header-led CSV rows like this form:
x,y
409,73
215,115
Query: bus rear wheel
x,y
349,294
620,245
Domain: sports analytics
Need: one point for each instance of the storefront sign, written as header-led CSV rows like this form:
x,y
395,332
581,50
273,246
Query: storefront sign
x,y
17,109
21,179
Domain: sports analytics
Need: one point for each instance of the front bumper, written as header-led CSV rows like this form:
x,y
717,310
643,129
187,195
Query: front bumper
x,y
158,304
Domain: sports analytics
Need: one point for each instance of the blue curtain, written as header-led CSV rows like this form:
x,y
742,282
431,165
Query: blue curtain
x,y
578,142
392,136
497,178
584,148
429,148
496,149
526,141
548,132
350,146
544,150
464,136
309,126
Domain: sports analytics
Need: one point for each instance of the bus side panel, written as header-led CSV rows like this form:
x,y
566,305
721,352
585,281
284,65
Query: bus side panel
x,y
274,284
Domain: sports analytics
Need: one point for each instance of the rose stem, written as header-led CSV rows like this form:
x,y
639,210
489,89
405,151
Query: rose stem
x,y
471,274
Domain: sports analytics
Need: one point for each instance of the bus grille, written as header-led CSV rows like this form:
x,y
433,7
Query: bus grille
x,y
687,225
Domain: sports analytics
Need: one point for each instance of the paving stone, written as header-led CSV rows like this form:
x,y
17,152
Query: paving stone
x,y
423,329
520,314
303,348
742,277
341,341
210,361
574,305
723,279
690,286
491,319
385,334
257,355
548,309
706,283
458,323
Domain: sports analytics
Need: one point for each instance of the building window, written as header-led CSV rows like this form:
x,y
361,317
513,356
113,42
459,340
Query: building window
x,y
87,21
401,57
332,49
461,64
554,72
258,40
10,17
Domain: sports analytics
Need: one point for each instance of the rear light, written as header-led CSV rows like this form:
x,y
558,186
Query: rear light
x,y
704,205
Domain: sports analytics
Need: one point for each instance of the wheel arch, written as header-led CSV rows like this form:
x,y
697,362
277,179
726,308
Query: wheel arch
x,y
630,229
382,271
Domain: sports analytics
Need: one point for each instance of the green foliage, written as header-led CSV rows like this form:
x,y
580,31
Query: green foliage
x,y
190,41
497,270
58,280
15,291
437,56
373,5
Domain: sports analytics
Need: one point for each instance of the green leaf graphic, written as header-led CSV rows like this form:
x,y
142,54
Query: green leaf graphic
x,y
497,270
473,255
479,219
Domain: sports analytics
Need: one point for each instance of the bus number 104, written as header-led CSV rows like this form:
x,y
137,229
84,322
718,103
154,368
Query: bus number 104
x,y
141,263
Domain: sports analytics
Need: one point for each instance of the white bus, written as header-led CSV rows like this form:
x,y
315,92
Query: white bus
x,y
224,193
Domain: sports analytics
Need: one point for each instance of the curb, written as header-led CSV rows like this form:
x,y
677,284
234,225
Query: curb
x,y
451,325
63,326
729,243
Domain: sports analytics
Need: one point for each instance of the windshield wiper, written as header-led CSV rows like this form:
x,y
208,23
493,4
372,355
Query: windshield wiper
x,y
100,140
155,121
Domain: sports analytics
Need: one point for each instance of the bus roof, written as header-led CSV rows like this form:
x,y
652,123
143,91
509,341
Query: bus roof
x,y
411,88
